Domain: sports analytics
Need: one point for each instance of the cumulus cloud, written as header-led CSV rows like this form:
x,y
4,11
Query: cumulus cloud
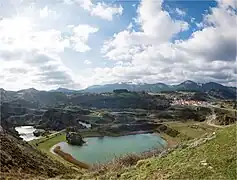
x,y
37,69
217,41
180,12
46,12
157,28
208,55
156,22
99,9
18,34
105,11
80,37
26,50
87,62
145,51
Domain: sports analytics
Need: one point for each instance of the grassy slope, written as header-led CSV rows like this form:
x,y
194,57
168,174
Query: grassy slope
x,y
45,146
188,130
219,154
191,129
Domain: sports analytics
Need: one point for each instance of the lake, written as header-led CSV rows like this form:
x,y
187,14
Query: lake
x,y
26,132
104,149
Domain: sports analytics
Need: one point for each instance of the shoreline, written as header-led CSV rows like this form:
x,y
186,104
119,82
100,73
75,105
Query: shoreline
x,y
57,151
69,158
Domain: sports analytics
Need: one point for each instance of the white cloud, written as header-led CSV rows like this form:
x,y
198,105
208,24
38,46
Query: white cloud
x,y
18,34
180,12
99,9
217,41
200,25
48,13
33,50
30,57
192,20
208,55
87,62
157,28
152,17
80,37
105,11
130,26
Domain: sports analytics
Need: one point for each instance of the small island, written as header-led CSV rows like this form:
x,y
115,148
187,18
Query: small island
x,y
74,138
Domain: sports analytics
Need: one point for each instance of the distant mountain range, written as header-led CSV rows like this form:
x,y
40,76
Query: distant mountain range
x,y
34,96
212,88
64,90
159,87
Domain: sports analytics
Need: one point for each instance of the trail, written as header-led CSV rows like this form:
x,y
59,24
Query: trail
x,y
211,119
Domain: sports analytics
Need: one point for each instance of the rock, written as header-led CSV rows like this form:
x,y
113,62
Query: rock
x,y
39,132
204,162
210,167
74,138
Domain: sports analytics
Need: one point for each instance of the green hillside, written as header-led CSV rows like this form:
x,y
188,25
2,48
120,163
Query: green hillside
x,y
215,159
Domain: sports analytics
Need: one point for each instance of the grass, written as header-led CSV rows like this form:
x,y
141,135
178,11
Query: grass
x,y
215,159
45,146
190,130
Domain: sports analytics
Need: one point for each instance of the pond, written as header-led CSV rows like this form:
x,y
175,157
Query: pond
x,y
88,126
104,149
26,132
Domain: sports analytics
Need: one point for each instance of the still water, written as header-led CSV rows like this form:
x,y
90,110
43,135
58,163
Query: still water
x,y
105,149
26,132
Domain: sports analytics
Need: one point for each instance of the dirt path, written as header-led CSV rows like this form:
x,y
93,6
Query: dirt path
x,y
211,119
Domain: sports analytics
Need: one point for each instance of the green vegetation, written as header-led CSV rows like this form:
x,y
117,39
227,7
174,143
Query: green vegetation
x,y
190,130
215,159
187,131
44,144
49,143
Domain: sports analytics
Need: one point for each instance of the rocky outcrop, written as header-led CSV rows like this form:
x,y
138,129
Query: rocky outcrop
x,y
74,138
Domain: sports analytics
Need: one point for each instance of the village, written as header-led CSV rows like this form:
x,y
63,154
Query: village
x,y
189,102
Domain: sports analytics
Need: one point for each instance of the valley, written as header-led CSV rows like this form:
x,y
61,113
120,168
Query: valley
x,y
101,130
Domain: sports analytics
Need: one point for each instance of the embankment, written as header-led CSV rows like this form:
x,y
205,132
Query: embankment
x,y
69,158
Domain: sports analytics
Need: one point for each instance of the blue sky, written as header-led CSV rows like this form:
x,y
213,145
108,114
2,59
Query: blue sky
x,y
78,43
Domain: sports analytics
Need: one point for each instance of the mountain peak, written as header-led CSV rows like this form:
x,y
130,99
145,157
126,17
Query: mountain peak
x,y
29,90
189,82
64,90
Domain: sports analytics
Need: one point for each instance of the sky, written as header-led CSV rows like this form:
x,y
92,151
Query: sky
x,y
47,44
